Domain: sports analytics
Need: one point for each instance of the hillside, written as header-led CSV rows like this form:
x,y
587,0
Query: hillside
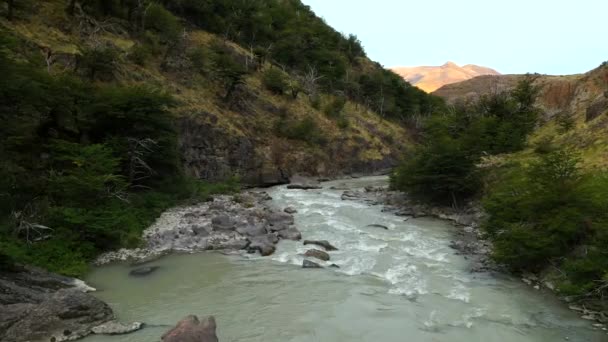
x,y
580,101
113,111
431,78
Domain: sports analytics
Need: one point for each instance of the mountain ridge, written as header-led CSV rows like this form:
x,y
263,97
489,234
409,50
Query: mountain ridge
x,y
431,78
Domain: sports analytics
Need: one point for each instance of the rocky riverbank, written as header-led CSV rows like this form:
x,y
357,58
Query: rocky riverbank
x,y
36,305
244,222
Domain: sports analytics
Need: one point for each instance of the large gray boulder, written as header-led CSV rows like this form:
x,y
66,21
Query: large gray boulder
x,y
143,271
66,315
280,219
222,222
322,243
191,329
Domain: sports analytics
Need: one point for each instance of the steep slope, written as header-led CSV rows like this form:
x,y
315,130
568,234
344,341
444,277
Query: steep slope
x,y
431,78
220,139
575,108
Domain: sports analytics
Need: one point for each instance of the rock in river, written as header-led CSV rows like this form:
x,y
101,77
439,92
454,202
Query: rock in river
x,y
310,264
143,271
377,226
190,329
322,243
315,253
290,210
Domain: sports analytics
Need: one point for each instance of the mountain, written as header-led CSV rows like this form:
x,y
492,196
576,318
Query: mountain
x,y
431,78
581,99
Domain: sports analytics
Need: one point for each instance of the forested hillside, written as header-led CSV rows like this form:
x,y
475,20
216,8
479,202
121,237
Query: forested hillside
x,y
112,111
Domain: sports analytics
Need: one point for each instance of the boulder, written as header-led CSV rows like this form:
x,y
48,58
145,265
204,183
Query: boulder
x,y
279,218
290,210
291,233
190,329
222,222
68,314
377,226
315,253
322,243
310,264
143,271
350,195
263,244
252,230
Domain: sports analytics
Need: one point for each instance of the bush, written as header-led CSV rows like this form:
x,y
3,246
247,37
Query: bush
x,y
140,54
305,130
540,214
275,81
334,108
98,63
163,22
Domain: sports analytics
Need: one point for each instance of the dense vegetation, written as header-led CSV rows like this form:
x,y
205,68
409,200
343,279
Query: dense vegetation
x,y
552,212
443,167
288,34
84,167
547,212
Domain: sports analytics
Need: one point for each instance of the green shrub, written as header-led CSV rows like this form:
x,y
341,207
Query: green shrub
x,y
334,108
162,21
98,63
275,81
140,54
305,130
199,59
542,213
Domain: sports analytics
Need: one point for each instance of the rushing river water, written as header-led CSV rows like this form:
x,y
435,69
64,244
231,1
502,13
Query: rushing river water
x,y
401,284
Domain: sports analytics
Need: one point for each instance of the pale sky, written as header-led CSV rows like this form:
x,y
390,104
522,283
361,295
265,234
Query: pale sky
x,y
511,36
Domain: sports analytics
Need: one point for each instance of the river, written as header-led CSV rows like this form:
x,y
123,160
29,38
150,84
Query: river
x,y
401,284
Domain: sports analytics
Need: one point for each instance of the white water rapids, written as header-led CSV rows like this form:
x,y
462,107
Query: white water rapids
x,y
401,284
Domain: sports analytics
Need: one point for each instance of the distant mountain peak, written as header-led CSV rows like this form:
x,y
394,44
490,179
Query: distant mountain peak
x,y
431,78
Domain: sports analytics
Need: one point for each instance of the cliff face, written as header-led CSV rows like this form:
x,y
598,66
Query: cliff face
x,y
581,98
431,78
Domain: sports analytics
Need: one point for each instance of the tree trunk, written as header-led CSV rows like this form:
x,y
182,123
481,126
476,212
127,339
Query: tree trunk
x,y
11,5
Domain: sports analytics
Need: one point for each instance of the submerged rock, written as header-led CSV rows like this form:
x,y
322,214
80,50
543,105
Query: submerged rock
x,y
315,253
310,264
143,271
377,226
190,329
322,243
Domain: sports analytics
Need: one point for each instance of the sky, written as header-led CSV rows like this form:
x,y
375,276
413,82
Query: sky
x,y
512,36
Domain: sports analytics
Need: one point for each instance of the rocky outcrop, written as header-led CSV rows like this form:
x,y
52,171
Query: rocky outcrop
x,y
304,183
36,305
242,222
191,329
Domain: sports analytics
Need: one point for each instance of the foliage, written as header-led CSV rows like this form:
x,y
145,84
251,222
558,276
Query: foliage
x,y
539,214
305,130
227,69
84,168
334,108
157,18
443,168
275,81
98,63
